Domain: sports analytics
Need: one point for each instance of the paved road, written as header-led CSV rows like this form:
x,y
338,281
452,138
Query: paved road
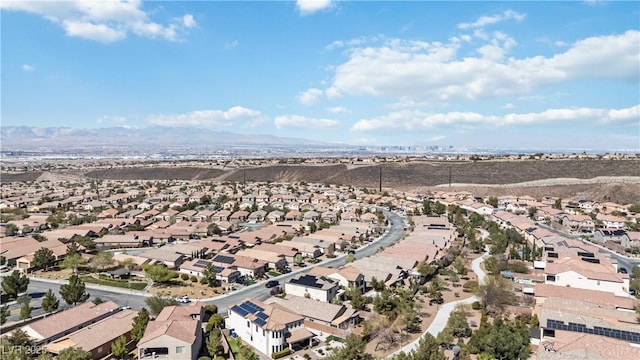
x,y
37,288
392,235
135,299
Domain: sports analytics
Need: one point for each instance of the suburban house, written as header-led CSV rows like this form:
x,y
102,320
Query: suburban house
x,y
196,267
319,315
175,334
246,266
269,328
97,338
318,288
347,276
66,322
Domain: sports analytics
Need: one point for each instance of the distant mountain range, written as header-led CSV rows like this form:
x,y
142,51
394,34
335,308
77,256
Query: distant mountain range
x,y
26,137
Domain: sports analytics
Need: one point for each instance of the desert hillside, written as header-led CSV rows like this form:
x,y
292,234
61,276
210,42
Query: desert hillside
x,y
604,180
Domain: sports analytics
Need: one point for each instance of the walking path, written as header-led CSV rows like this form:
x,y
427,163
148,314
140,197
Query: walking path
x,y
440,321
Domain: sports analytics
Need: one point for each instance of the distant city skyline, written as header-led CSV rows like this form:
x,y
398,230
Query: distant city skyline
x,y
557,75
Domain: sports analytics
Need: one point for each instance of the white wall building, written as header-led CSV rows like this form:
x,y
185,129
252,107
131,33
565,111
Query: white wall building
x,y
268,328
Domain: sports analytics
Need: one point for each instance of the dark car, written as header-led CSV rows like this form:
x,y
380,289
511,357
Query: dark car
x,y
622,270
271,283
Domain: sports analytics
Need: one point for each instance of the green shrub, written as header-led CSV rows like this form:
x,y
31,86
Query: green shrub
x,y
476,305
194,278
211,309
204,358
184,276
279,354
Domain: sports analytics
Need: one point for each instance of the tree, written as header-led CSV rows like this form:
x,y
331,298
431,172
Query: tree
x,y
156,303
634,208
353,349
349,258
139,324
119,347
159,273
74,291
210,275
43,258
557,204
502,340
494,293
128,263
72,248
426,270
4,314
245,353
15,284
74,353
493,201
214,343
25,307
428,349
358,302
215,321
11,229
73,262
102,259
460,267
50,302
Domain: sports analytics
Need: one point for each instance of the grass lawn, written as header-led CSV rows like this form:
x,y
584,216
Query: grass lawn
x,y
274,273
120,284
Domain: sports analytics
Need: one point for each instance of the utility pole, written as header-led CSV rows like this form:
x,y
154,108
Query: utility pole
x,y
449,176
380,181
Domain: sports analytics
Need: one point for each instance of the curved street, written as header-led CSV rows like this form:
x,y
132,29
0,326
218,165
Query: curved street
x,y
136,299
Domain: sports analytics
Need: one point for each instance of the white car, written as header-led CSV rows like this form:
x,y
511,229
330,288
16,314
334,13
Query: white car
x,y
183,299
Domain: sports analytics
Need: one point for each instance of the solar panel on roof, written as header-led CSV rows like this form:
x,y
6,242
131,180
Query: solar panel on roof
x,y
260,322
201,263
262,315
224,259
242,312
253,307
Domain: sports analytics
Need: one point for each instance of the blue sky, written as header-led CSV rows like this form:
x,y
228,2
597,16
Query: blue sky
x,y
554,75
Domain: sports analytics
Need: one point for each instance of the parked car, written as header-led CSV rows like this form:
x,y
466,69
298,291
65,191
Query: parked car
x,y
271,283
622,270
183,299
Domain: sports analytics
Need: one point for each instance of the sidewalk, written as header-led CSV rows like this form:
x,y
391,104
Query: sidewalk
x,y
440,321
95,287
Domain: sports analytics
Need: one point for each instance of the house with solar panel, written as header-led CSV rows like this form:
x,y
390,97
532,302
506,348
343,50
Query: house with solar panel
x,y
197,266
320,288
268,328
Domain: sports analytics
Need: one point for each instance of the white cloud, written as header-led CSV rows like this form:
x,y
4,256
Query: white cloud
x,y
232,44
188,21
309,96
306,7
337,110
419,71
297,121
27,67
207,118
105,119
415,120
493,19
508,106
104,21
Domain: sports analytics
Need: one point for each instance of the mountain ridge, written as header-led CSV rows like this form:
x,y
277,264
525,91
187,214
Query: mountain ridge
x,y
153,135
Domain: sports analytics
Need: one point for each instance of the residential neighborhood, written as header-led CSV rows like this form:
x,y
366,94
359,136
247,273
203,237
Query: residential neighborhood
x,y
270,270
